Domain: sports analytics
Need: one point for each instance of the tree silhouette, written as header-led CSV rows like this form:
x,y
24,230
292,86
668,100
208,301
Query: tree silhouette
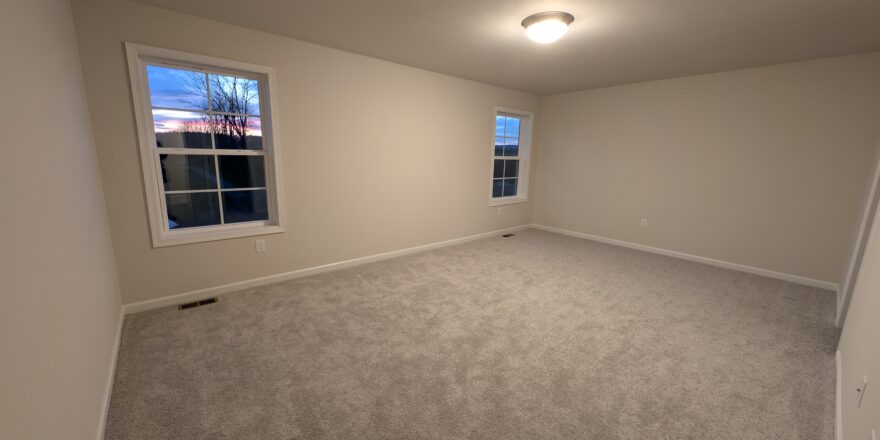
x,y
233,101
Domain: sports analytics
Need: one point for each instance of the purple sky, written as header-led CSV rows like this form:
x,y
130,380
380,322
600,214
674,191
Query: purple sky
x,y
178,89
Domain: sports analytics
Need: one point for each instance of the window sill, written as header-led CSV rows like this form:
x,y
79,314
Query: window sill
x,y
507,201
199,235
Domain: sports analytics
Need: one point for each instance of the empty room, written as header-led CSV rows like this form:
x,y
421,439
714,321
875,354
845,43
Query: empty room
x,y
446,219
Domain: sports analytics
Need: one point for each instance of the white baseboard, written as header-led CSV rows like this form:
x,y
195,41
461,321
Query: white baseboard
x,y
108,388
725,264
200,294
838,399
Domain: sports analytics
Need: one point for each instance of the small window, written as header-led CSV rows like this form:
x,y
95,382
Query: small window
x,y
207,146
510,152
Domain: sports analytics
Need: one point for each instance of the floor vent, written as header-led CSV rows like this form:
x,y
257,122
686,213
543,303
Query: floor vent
x,y
197,303
508,235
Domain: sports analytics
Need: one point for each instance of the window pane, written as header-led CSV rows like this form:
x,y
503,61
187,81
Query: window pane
x,y
180,173
234,95
178,129
509,187
511,168
511,128
177,88
235,132
245,206
189,210
497,187
499,146
242,171
499,125
499,169
511,150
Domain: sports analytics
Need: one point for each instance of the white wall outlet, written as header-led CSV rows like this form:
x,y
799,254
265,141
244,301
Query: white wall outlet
x,y
874,434
644,223
499,210
260,245
861,389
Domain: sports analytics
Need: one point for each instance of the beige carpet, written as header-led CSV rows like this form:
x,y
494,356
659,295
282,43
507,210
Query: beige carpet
x,y
538,336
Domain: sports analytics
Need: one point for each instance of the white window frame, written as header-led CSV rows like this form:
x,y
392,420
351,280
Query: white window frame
x,y
525,150
139,56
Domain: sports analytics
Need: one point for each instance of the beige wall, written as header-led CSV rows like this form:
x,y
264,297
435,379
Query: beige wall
x,y
858,347
376,156
766,167
60,304
860,239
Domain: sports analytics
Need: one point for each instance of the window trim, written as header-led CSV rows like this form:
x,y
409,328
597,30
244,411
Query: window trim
x,y
138,57
527,120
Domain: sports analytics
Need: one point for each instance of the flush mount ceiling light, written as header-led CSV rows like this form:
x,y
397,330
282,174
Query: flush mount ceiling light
x,y
547,27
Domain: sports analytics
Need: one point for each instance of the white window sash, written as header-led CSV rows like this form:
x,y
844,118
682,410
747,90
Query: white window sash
x,y
139,56
524,153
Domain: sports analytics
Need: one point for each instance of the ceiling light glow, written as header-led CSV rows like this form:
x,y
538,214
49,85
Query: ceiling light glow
x,y
547,27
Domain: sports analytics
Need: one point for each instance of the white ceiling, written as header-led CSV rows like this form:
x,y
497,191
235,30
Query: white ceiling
x,y
611,41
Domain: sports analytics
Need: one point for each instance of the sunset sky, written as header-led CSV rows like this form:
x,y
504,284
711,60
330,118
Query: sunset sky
x,y
177,92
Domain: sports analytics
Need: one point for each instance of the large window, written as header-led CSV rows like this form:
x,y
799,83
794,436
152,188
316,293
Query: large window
x,y
207,146
510,152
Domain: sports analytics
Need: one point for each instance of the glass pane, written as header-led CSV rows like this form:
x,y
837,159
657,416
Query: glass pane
x,y
497,187
499,146
178,129
509,187
234,95
511,150
499,169
499,125
189,210
245,206
180,173
511,167
177,88
242,171
238,132
511,128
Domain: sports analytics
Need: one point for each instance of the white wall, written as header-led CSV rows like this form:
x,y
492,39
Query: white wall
x,y
859,354
765,167
59,305
376,156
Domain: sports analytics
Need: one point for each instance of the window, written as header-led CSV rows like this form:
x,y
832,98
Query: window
x,y
510,153
207,146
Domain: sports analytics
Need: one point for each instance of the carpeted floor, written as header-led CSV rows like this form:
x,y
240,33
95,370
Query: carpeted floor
x,y
538,336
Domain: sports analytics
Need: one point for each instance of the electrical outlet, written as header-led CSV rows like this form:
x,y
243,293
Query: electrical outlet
x,y
874,434
499,210
260,245
861,389
644,223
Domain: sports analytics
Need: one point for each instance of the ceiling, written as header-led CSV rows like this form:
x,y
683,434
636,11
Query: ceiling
x,y
611,41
